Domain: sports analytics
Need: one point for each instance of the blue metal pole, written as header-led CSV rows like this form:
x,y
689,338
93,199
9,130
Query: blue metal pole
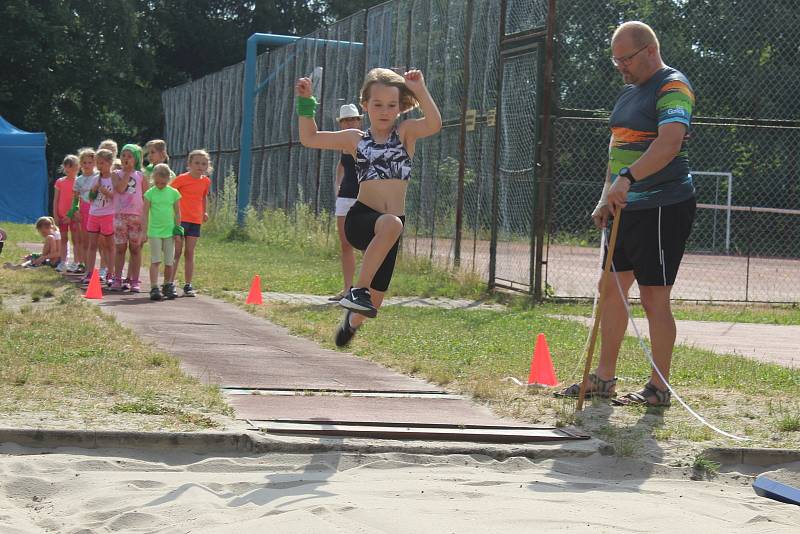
x,y
248,104
246,141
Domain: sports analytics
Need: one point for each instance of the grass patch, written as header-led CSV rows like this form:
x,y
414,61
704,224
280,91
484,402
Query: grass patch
x,y
63,351
298,252
780,314
473,351
144,406
789,423
705,467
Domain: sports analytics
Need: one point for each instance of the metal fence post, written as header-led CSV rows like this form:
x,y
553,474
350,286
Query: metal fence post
x,y
545,158
463,138
322,114
496,164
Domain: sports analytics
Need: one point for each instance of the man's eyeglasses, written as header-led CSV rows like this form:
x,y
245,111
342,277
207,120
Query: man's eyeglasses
x,y
624,60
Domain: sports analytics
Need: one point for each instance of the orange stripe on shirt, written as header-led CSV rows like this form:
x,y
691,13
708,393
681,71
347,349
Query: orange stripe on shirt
x,y
677,86
626,135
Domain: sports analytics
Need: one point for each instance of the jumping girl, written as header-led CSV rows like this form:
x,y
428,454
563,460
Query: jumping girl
x,y
383,157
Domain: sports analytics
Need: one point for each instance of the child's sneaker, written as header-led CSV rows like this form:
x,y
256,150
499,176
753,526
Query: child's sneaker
x,y
358,300
71,266
188,290
80,269
116,284
169,291
135,286
103,273
61,267
155,294
126,284
345,332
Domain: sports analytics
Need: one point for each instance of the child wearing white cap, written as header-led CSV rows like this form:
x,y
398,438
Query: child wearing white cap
x,y
346,193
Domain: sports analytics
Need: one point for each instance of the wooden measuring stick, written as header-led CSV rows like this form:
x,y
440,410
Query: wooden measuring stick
x,y
593,338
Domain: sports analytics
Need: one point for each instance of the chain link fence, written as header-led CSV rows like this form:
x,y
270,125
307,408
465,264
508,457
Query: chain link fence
x,y
744,245
476,188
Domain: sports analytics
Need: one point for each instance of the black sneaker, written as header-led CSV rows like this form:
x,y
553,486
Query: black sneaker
x,y
345,332
359,301
155,294
188,290
169,291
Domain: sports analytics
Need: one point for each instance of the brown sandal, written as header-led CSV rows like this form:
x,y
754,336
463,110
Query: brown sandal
x,y
602,389
640,398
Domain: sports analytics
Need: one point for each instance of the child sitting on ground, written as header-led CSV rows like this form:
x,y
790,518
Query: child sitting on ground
x,y
51,251
162,214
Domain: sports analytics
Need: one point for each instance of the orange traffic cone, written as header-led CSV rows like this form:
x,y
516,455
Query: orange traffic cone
x,y
94,291
542,371
255,292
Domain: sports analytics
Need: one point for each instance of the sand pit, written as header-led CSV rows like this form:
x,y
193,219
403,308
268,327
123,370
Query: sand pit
x,y
79,491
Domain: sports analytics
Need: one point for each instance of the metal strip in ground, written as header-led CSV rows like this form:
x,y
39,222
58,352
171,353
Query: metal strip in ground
x,y
318,408
472,433
340,393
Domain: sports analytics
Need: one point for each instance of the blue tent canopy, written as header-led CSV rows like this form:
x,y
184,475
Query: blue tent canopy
x,y
23,174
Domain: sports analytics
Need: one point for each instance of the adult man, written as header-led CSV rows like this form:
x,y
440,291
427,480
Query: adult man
x,y
648,178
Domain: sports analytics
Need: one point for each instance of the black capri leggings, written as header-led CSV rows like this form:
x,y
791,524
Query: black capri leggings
x,y
359,228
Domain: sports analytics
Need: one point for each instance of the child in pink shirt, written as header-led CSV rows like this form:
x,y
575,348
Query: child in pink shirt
x,y
62,203
129,188
101,214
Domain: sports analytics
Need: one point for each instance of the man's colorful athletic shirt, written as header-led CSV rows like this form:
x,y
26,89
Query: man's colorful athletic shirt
x,y
640,109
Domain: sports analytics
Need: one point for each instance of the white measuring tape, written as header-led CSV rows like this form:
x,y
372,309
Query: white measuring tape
x,y
649,354
642,344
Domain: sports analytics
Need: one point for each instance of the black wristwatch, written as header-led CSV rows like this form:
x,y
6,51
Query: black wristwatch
x,y
625,172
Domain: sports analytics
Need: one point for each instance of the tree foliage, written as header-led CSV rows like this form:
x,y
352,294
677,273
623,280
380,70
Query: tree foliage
x,y
84,70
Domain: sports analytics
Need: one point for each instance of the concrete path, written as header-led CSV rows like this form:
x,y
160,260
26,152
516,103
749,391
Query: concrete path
x,y
763,342
267,373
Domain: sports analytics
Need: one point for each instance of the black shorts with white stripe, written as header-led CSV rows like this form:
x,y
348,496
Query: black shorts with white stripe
x,y
651,242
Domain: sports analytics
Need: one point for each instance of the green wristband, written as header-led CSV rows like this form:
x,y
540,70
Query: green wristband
x,y
306,106
74,208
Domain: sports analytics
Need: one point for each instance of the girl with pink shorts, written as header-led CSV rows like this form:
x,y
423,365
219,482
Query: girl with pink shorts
x,y
129,188
81,189
101,214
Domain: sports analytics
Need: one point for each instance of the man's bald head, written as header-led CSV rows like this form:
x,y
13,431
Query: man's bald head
x,y
638,32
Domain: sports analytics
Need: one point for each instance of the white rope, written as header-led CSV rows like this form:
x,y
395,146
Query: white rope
x,y
649,355
642,344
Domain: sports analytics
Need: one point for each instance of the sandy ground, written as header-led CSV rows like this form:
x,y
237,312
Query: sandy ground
x,y
79,491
